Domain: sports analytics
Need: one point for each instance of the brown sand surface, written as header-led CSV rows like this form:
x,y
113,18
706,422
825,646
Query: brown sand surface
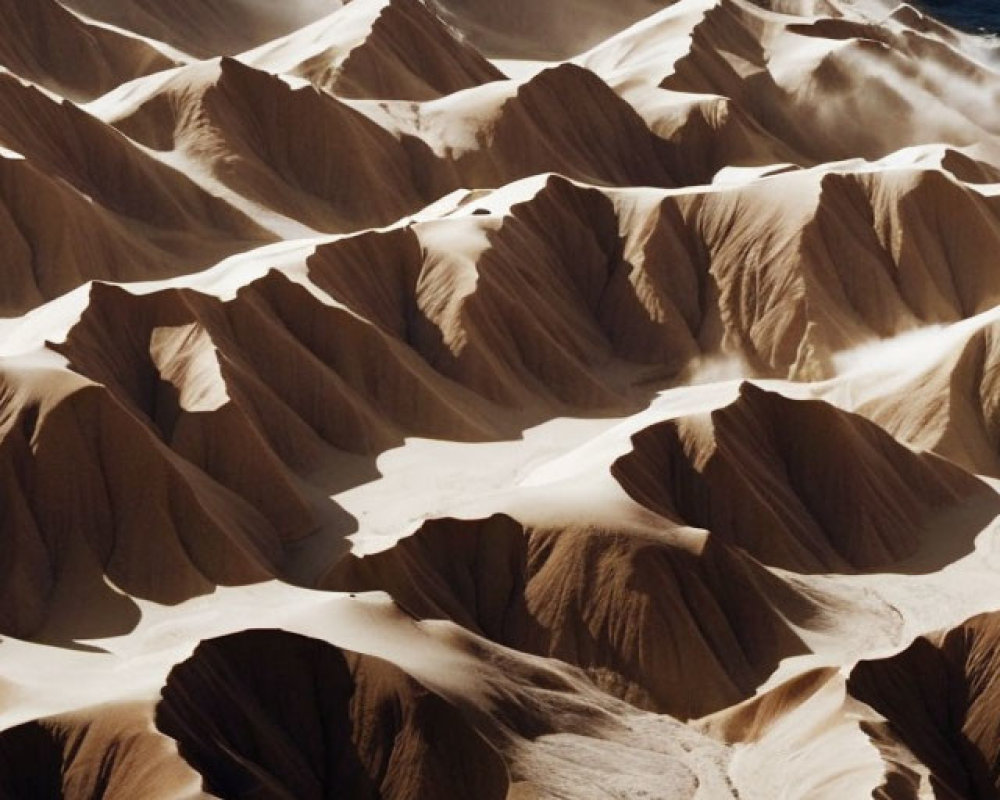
x,y
550,400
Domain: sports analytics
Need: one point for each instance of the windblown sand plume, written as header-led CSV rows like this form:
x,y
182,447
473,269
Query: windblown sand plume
x,y
549,400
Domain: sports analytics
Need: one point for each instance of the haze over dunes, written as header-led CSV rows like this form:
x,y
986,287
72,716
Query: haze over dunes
x,y
421,399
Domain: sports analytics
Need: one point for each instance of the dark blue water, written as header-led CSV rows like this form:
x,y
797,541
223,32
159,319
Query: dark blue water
x,y
979,16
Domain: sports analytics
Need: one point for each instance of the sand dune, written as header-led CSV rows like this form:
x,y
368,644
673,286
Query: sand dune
x,y
74,520
45,43
210,115
450,399
107,167
390,49
141,218
55,239
836,260
792,72
113,755
514,129
677,641
936,696
195,374
207,28
233,122
358,725
739,474
945,404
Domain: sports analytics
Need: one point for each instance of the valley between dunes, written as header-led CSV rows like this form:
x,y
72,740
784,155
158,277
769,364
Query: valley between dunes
x,y
539,400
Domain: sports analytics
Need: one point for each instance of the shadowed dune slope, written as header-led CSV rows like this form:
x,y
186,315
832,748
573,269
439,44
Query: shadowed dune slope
x,y
940,697
780,274
98,161
173,381
66,172
277,369
245,127
301,719
804,486
703,135
381,160
91,491
54,239
112,753
563,119
45,43
663,280
828,261
288,360
567,120
385,49
272,714
661,620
